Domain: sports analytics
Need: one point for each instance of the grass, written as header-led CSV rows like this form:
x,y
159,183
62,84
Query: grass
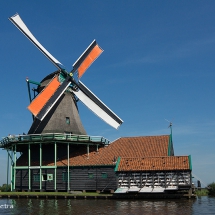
x,y
55,194
201,192
209,191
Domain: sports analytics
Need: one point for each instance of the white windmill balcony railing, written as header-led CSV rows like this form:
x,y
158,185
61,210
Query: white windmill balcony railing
x,y
64,137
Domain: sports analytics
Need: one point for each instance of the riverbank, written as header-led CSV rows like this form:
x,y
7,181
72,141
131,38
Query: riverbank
x,y
90,195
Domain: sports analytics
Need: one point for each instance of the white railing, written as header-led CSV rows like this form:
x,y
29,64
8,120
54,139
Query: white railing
x,y
53,136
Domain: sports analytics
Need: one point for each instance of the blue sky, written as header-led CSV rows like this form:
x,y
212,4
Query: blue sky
x,y
158,63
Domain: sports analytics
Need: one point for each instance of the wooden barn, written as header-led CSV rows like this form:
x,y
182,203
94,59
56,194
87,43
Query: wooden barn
x,y
64,162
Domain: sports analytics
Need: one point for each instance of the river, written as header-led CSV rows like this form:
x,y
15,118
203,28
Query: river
x,y
201,205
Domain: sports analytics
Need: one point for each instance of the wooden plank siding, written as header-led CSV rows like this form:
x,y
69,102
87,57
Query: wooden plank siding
x,y
93,178
22,179
81,178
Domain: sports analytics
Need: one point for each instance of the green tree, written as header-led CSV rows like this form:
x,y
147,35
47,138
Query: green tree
x,y
5,188
211,189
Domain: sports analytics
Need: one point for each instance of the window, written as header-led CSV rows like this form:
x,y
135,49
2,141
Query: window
x,y
47,177
90,175
68,120
65,176
44,177
36,177
104,175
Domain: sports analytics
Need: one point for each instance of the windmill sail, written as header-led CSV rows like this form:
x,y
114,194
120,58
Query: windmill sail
x,y
38,103
17,21
87,58
51,101
45,101
97,106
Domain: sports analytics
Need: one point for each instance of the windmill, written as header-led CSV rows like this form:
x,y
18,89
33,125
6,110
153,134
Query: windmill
x,y
60,87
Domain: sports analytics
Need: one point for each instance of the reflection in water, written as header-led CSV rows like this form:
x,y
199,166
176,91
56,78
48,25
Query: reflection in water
x,y
202,205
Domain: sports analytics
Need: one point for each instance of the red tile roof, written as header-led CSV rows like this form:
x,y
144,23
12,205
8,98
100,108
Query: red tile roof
x,y
154,163
136,153
149,146
146,146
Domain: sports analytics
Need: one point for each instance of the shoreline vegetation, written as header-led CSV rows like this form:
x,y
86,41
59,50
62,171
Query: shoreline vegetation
x,y
209,191
201,192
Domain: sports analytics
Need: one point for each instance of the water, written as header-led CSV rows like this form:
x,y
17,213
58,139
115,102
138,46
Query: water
x,y
201,205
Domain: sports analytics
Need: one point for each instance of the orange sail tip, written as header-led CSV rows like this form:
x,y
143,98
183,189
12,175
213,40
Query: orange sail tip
x,y
38,103
90,58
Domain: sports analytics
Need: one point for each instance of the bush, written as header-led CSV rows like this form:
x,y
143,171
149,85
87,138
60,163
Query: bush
x,y
211,189
5,188
201,192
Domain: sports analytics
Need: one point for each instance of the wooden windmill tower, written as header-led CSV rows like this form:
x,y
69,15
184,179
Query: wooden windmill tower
x,y
63,117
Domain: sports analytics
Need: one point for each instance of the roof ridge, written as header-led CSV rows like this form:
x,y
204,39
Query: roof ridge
x,y
156,156
115,140
146,136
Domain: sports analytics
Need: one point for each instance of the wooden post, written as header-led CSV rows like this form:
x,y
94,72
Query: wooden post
x,y
190,193
68,186
11,168
55,163
40,166
88,150
7,167
29,164
14,170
